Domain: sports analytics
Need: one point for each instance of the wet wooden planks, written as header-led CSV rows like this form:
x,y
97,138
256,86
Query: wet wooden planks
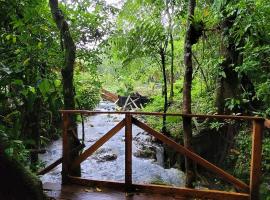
x,y
75,192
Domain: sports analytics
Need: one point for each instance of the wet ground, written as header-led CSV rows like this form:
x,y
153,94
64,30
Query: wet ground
x,y
107,163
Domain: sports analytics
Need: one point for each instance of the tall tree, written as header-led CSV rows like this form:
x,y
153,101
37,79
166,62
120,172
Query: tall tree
x,y
187,126
170,12
162,53
69,48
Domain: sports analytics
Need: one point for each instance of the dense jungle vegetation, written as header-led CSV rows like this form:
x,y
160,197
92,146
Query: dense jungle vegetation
x,y
208,57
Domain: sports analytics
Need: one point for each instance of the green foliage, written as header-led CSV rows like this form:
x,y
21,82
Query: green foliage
x,y
156,105
30,70
216,125
240,154
240,157
251,34
87,86
174,124
13,146
232,104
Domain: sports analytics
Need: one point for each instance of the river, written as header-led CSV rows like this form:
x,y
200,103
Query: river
x,y
108,162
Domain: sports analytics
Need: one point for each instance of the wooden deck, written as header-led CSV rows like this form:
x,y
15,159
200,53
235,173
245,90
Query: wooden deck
x,y
76,192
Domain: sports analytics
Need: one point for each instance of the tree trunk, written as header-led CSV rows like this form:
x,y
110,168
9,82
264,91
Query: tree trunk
x,y
187,126
68,87
165,91
228,86
172,64
170,32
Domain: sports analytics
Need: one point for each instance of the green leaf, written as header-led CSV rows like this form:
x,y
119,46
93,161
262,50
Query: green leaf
x,y
44,87
9,151
39,45
17,51
26,62
8,37
32,89
14,39
17,141
57,83
17,82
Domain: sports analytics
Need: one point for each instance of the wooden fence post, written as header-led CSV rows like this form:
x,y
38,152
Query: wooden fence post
x,y
256,157
128,153
65,147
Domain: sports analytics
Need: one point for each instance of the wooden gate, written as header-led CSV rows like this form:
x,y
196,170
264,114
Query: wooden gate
x,y
246,191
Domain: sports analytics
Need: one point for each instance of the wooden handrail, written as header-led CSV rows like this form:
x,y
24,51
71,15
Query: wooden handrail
x,y
232,117
251,190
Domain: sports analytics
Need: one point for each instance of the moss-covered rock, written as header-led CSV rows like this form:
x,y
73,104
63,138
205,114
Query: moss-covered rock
x,y
16,182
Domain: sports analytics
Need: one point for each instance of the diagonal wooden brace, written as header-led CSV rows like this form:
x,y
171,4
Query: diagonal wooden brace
x,y
193,156
88,152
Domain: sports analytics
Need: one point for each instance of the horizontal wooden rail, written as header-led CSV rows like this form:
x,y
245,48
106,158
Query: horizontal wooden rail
x,y
193,156
232,117
161,189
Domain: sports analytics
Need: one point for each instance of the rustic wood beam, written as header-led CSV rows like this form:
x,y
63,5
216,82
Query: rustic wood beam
x,y
191,193
128,152
97,183
50,167
65,150
256,159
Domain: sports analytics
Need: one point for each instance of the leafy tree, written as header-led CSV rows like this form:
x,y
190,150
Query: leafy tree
x,y
145,36
25,40
68,88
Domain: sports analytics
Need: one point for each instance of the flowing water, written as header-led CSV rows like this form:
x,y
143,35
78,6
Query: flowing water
x,y
108,162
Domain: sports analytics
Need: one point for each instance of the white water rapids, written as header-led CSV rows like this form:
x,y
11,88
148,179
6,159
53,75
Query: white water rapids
x,y
108,163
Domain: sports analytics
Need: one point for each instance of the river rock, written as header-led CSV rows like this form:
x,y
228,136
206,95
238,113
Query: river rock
x,y
92,139
145,152
145,148
142,137
105,154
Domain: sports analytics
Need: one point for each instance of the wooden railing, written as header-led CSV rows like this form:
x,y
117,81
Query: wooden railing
x,y
246,191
